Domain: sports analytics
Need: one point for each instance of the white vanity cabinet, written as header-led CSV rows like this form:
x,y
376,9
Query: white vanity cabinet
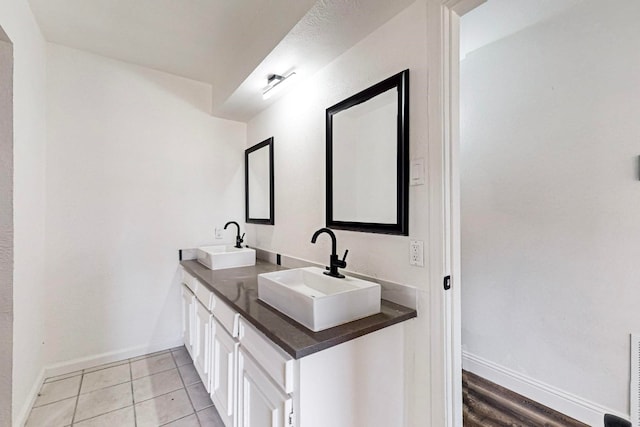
x,y
202,349
260,402
210,332
266,383
357,383
224,372
254,383
188,314
198,326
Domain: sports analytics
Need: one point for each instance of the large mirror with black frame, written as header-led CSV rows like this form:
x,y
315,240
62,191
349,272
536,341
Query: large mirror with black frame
x,y
258,173
368,159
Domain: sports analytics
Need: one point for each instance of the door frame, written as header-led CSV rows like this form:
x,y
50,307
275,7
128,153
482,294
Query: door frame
x,y
7,226
443,56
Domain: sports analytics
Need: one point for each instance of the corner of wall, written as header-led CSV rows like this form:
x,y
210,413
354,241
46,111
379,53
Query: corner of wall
x,y
29,144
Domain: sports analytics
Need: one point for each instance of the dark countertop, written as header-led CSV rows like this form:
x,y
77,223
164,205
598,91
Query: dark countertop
x,y
238,287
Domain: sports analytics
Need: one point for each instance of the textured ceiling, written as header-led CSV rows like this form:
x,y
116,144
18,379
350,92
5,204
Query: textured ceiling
x,y
231,44
328,30
214,41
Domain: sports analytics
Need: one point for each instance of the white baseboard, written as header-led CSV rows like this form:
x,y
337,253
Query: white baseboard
x,y
112,356
20,418
566,403
84,363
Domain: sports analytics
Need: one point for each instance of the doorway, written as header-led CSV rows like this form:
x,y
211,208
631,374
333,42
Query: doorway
x,y
544,101
6,226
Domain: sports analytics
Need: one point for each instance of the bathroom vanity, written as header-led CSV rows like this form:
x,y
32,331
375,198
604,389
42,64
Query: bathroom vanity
x,y
264,369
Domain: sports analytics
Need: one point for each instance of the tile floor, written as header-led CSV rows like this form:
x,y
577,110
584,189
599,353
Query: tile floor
x,y
159,389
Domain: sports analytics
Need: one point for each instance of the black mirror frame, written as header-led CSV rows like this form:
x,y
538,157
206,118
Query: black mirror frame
x,y
267,221
401,227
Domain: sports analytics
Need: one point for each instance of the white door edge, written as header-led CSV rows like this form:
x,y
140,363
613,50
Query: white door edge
x,y
444,82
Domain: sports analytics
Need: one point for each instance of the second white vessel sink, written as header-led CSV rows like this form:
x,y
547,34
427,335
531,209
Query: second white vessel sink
x,y
316,300
222,256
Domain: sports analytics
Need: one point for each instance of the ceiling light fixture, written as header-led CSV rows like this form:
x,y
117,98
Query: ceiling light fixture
x,y
275,84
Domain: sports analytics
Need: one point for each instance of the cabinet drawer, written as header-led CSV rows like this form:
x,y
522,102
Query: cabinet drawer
x,y
227,317
205,296
190,281
275,362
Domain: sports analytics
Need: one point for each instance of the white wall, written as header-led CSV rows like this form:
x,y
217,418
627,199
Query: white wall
x,y
551,200
6,226
297,124
136,169
28,196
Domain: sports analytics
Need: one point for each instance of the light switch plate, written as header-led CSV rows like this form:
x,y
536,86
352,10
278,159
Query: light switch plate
x,y
417,172
218,233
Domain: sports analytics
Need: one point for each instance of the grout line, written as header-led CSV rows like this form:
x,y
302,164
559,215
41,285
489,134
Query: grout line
x,y
186,391
102,388
105,413
81,373
51,403
160,395
182,418
75,408
146,356
150,375
133,398
106,366
52,380
35,403
168,392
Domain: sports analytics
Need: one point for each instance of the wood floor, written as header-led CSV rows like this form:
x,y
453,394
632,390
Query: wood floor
x,y
488,405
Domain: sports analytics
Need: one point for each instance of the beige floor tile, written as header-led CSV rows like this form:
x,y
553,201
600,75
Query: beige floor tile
x,y
58,390
58,414
181,356
63,376
210,418
103,400
106,365
190,421
189,374
199,396
120,418
154,385
152,365
105,378
163,409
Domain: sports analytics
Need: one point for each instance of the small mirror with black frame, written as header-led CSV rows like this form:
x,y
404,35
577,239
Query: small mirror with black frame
x,y
259,183
368,159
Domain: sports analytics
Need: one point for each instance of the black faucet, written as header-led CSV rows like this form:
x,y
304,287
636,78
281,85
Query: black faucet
x,y
239,238
334,262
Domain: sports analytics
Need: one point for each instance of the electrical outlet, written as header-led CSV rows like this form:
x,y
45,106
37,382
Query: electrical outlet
x,y
218,232
416,253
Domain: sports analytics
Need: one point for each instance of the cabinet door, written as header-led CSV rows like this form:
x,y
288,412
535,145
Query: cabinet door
x,y
202,348
224,374
188,307
260,402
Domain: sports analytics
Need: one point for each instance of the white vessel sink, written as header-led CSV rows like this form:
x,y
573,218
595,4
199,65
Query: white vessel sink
x,y
316,300
222,256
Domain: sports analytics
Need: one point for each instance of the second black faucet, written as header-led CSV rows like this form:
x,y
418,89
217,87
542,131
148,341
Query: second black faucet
x,y
334,261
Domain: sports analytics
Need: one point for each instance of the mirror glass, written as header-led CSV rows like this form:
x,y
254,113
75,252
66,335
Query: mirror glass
x,y
367,159
259,183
